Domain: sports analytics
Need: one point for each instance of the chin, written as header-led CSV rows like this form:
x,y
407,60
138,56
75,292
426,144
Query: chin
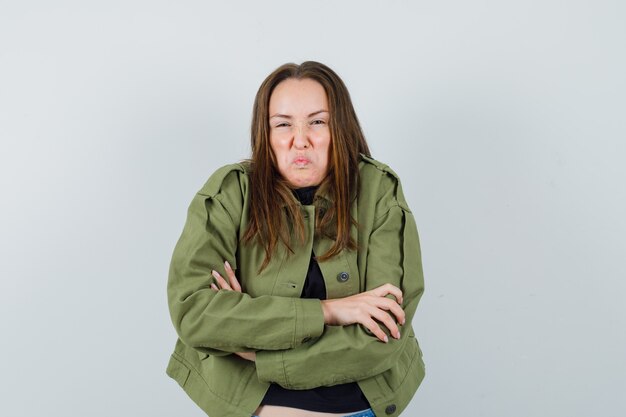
x,y
303,182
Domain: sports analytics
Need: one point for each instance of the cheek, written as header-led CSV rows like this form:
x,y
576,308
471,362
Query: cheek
x,y
281,154
277,146
323,147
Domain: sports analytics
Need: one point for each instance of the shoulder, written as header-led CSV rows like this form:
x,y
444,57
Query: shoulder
x,y
228,179
371,166
381,182
227,189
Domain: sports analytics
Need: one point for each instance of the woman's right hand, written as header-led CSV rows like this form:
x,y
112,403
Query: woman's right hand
x,y
367,308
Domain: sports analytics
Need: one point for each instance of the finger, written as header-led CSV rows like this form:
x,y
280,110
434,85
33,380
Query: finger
x,y
214,287
234,283
396,310
385,289
221,281
395,291
373,327
384,317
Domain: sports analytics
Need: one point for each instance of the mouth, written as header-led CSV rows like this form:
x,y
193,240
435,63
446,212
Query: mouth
x,y
301,161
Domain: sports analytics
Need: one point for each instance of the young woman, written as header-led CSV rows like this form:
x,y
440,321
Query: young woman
x,y
297,274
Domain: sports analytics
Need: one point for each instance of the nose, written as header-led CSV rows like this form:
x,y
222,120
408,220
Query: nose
x,y
301,137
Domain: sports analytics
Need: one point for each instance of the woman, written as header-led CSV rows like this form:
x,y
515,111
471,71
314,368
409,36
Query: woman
x,y
297,274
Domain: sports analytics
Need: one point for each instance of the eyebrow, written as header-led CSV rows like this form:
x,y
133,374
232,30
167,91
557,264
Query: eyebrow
x,y
286,116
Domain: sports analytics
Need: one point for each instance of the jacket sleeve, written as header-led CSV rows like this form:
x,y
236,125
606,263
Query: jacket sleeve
x,y
351,353
223,322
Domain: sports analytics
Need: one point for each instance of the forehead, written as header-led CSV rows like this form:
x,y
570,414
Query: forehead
x,y
296,97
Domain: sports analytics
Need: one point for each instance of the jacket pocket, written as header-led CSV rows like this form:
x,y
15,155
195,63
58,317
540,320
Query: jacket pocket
x,y
178,371
226,376
400,371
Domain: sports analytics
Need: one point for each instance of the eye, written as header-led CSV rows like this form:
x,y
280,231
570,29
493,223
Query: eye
x,y
281,124
318,122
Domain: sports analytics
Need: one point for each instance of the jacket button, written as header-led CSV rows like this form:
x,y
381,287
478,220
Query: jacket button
x,y
343,276
390,409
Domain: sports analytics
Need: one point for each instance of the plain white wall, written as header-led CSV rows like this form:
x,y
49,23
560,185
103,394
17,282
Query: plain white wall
x,y
504,119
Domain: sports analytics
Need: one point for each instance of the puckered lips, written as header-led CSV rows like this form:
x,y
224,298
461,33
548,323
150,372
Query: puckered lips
x,y
301,161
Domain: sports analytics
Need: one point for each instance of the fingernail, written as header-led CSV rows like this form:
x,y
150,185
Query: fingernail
x,y
227,264
398,336
386,339
215,274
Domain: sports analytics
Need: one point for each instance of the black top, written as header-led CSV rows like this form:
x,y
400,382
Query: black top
x,y
342,398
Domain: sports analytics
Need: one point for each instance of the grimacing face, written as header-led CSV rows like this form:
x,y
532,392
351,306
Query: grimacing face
x,y
299,131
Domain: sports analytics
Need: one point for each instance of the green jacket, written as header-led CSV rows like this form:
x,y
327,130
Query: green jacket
x,y
293,346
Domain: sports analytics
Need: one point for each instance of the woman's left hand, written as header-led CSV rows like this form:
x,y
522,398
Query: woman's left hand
x,y
231,285
234,283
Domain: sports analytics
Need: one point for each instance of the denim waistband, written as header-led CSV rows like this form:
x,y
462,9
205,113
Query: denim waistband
x,y
364,413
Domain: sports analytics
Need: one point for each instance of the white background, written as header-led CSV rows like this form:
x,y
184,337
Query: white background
x,y
504,119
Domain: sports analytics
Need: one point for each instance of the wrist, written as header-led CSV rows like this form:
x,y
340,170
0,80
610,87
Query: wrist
x,y
326,311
